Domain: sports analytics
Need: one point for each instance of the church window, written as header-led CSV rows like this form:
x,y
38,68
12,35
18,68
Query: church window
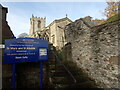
x,y
39,23
53,39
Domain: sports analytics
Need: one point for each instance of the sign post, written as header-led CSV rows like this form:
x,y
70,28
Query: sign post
x,y
25,50
43,56
13,76
41,76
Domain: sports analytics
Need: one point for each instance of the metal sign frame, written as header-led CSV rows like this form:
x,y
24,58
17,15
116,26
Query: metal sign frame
x,y
25,50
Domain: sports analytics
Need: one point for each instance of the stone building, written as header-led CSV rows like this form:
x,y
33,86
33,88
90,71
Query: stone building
x,y
5,29
5,33
54,32
36,24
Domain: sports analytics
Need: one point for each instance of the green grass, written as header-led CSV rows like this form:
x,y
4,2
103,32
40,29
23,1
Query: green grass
x,y
113,18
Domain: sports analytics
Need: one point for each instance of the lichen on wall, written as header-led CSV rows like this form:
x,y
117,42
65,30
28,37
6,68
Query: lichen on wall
x,y
96,50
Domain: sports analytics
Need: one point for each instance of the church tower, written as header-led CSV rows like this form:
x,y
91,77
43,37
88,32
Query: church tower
x,y
36,24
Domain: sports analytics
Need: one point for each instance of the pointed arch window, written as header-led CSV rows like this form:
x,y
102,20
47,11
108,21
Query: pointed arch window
x,y
53,38
39,23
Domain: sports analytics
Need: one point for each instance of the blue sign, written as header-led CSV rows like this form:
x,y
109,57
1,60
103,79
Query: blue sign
x,y
25,50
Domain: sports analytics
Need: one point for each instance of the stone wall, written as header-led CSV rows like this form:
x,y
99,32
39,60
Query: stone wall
x,y
60,35
95,50
66,52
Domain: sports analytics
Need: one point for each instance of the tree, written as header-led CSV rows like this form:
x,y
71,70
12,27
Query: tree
x,y
112,8
23,35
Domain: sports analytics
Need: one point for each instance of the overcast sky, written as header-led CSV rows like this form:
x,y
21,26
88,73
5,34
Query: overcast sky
x,y
19,13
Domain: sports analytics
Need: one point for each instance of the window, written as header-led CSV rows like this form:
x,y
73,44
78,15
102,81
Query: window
x,y
53,39
39,23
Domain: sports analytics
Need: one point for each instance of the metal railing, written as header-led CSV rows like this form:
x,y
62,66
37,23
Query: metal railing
x,y
60,62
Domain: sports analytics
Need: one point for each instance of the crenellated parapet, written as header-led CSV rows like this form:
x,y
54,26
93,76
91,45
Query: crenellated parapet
x,y
36,24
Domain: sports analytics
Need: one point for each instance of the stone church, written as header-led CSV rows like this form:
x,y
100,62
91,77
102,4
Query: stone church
x,y
54,32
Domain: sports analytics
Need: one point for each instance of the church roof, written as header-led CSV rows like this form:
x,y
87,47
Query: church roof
x,y
63,19
60,20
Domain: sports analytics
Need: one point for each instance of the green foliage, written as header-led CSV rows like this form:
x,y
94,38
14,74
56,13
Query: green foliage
x,y
113,18
60,55
111,9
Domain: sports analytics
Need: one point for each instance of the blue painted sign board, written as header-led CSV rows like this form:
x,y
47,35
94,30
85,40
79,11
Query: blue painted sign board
x,y
25,50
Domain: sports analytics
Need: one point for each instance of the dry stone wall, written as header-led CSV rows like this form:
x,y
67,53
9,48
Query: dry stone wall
x,y
95,50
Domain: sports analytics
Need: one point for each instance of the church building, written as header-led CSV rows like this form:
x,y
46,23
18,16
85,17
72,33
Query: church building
x,y
54,32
